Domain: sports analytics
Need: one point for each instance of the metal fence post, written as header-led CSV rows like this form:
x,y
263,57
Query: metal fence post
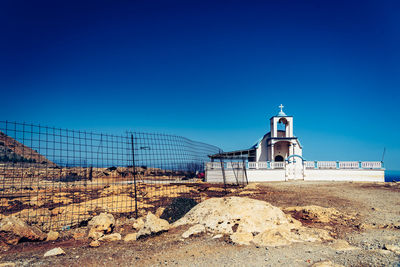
x,y
134,174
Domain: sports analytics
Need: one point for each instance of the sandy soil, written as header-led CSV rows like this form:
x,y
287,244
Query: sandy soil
x,y
375,206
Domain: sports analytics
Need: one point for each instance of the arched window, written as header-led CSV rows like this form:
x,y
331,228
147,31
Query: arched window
x,y
282,126
279,158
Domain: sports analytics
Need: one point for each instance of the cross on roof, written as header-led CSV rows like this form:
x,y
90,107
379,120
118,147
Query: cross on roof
x,y
281,113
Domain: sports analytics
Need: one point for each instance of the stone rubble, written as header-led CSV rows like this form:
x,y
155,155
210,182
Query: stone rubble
x,y
54,252
14,229
153,225
52,236
95,244
101,225
110,238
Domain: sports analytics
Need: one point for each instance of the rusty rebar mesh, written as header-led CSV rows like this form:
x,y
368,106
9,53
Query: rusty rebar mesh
x,y
58,178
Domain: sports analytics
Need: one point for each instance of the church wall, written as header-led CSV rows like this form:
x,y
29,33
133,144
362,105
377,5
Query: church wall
x,y
345,175
262,152
215,176
298,150
266,175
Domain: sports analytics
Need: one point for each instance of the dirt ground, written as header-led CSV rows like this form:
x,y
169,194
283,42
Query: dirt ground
x,y
375,224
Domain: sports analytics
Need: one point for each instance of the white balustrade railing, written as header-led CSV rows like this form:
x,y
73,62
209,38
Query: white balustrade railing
x,y
262,165
349,165
252,165
371,165
309,164
343,165
278,165
234,165
326,164
213,165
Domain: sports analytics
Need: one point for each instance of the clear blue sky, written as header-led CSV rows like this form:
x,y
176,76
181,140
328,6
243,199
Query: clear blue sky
x,y
211,71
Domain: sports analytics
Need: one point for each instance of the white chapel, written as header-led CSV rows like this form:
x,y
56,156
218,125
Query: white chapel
x,y
276,145
278,156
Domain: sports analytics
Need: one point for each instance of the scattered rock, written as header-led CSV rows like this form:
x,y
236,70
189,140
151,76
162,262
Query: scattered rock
x,y
159,211
342,245
153,225
130,237
217,236
54,252
110,238
326,264
177,209
195,229
138,223
95,235
241,238
7,264
95,244
14,229
52,236
100,225
393,248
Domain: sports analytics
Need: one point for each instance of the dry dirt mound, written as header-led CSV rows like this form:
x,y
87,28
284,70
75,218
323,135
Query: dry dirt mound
x,y
248,220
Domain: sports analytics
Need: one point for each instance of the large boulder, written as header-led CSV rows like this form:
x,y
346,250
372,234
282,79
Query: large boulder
x,y
236,214
13,230
153,225
251,221
100,225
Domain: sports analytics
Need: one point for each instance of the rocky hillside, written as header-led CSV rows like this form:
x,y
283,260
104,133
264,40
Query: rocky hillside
x,y
13,151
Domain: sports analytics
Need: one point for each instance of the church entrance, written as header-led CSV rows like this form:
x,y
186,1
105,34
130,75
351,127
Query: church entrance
x,y
279,158
294,168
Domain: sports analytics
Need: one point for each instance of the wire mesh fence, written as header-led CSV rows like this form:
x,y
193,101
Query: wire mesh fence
x,y
58,178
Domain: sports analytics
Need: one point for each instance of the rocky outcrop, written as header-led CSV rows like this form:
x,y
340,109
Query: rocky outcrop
x,y
13,230
236,214
153,225
248,221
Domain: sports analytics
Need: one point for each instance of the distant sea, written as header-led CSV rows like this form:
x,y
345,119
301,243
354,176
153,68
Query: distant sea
x,y
391,176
